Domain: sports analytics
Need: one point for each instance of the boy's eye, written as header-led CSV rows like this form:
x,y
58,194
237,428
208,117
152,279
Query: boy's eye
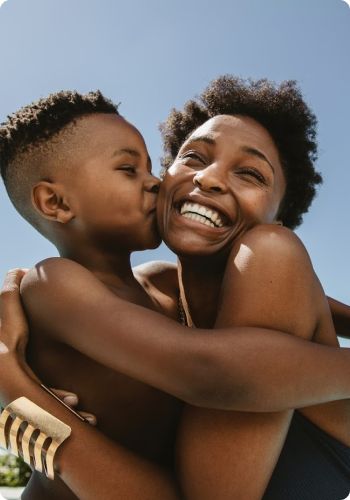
x,y
253,172
130,169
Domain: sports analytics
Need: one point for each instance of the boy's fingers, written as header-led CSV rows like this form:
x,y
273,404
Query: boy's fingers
x,y
12,314
89,417
69,398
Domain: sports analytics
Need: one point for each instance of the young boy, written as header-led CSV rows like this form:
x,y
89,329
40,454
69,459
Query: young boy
x,y
81,175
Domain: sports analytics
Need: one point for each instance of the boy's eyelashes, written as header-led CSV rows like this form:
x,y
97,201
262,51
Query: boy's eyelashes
x,y
130,169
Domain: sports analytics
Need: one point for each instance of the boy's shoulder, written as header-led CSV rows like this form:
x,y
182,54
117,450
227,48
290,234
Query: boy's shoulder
x,y
59,278
47,272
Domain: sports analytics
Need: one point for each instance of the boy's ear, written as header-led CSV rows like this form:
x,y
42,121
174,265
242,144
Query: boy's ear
x,y
49,200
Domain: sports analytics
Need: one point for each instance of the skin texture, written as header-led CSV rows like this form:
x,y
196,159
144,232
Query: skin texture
x,y
179,363
207,160
81,470
214,168
98,215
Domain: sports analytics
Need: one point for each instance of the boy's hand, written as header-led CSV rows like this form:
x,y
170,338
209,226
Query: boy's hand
x,y
71,400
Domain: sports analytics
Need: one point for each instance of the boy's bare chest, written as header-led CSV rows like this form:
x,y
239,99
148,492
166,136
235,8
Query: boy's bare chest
x,y
137,416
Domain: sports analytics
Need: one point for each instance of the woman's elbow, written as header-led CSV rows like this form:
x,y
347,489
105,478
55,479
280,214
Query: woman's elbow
x,y
210,385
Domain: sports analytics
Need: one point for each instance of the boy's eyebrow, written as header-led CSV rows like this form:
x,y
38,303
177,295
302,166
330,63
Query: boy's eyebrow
x,y
129,151
132,152
258,154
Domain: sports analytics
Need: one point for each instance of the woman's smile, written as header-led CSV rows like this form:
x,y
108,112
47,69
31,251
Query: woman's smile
x,y
226,178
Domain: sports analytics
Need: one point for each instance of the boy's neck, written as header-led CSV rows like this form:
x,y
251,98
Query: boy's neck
x,y
202,279
113,269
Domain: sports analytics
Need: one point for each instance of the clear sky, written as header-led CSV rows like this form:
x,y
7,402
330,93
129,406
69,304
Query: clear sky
x,y
155,54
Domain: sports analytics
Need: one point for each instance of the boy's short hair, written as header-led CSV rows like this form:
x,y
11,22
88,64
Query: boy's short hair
x,y
280,109
32,142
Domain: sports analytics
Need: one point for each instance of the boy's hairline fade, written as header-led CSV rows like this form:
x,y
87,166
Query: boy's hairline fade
x,y
34,134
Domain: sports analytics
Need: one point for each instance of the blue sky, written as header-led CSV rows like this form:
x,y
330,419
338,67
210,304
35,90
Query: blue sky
x,y
155,54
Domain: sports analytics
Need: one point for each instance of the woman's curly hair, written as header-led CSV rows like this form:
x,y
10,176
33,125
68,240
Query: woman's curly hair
x,y
280,109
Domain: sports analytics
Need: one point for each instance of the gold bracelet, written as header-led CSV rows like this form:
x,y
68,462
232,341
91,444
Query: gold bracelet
x,y
52,433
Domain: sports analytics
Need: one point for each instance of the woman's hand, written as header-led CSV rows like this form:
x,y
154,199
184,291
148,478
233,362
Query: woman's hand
x,y
13,323
341,317
14,334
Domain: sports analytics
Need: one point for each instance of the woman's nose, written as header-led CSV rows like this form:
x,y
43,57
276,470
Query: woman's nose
x,y
210,180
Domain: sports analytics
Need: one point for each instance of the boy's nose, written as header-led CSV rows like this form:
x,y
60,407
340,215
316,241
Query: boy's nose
x,y
210,180
152,184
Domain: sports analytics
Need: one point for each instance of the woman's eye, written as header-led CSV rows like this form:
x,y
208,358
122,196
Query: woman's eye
x,y
191,155
252,172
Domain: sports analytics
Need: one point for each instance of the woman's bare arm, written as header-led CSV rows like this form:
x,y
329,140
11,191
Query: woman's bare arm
x,y
221,371
269,282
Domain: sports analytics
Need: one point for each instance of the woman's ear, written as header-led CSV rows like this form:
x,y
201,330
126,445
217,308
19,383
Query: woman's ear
x,y
49,200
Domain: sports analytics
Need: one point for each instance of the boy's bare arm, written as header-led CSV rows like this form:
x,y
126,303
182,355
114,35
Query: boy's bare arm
x,y
90,464
269,282
222,371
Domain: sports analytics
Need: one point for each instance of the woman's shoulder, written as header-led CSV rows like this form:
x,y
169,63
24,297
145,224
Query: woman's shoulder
x,y
269,281
270,245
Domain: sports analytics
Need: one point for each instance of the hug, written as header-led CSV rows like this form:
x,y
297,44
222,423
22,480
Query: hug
x,y
220,377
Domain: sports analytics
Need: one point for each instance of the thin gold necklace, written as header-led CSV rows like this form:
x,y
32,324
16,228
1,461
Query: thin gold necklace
x,y
184,310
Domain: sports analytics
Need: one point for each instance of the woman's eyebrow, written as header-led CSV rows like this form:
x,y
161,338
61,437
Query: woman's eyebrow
x,y
258,154
200,138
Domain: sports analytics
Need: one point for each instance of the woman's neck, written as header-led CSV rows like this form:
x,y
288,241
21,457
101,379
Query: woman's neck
x,y
202,279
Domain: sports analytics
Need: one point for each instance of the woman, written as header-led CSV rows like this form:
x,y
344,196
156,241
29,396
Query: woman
x,y
239,200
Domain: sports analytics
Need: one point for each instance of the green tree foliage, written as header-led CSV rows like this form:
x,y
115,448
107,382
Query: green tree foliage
x,y
13,471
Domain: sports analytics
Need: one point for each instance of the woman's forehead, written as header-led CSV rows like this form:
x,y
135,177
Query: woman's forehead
x,y
237,129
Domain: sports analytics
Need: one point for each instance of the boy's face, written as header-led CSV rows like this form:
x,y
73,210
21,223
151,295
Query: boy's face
x,y
112,193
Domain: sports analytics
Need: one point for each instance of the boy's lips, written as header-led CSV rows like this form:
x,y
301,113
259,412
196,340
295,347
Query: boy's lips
x,y
152,210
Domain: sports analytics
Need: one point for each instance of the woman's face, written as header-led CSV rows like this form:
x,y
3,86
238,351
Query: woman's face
x,y
227,178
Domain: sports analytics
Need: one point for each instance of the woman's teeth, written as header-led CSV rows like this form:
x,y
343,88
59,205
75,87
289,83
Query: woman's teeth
x,y
201,214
